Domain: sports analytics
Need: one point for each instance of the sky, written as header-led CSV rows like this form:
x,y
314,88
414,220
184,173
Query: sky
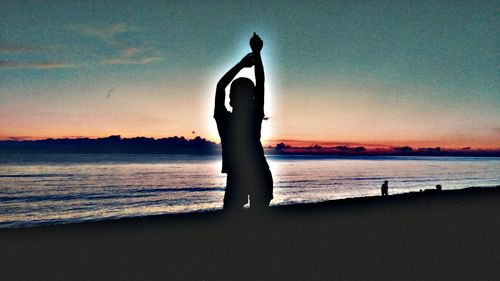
x,y
381,73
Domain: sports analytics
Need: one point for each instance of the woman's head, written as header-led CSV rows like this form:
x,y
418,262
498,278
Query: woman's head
x,y
241,93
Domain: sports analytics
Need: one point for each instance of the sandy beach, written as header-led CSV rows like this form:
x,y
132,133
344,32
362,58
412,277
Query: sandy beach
x,y
449,235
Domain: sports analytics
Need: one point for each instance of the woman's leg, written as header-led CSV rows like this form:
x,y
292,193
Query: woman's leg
x,y
234,199
263,191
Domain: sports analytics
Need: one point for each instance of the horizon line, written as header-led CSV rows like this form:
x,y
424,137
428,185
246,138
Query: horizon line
x,y
295,143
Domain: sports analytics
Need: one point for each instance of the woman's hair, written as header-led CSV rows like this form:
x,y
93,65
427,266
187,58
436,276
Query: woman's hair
x,y
242,92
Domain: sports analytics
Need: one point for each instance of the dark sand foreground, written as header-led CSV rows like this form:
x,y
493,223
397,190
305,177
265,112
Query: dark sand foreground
x,y
452,235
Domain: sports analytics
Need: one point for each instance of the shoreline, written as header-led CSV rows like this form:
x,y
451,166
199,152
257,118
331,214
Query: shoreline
x,y
413,195
447,235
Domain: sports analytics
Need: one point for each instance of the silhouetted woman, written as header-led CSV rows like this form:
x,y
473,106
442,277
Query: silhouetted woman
x,y
242,154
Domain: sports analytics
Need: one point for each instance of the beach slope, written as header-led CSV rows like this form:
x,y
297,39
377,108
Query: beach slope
x,y
449,235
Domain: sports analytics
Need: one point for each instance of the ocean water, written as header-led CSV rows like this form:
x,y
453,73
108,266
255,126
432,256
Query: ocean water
x,y
50,189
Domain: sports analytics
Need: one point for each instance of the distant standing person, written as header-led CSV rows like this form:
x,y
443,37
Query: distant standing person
x,y
243,159
385,188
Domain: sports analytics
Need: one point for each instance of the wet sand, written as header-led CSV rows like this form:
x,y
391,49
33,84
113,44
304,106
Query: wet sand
x,y
449,235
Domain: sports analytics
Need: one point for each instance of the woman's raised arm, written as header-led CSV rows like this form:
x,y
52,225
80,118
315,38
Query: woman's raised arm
x,y
220,92
256,44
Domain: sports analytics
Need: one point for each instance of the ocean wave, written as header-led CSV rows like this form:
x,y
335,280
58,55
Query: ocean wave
x,y
100,196
35,175
181,189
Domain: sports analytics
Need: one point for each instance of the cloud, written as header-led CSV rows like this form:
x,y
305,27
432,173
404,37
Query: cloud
x,y
143,60
108,34
129,52
133,55
126,53
16,138
8,48
117,36
18,49
34,65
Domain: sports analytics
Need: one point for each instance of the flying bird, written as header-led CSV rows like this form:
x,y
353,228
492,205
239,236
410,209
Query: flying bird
x,y
109,92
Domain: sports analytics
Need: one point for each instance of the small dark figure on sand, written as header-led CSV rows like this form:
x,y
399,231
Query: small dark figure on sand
x,y
385,188
438,187
243,159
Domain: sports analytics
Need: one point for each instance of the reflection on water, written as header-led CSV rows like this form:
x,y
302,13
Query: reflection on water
x,y
37,189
